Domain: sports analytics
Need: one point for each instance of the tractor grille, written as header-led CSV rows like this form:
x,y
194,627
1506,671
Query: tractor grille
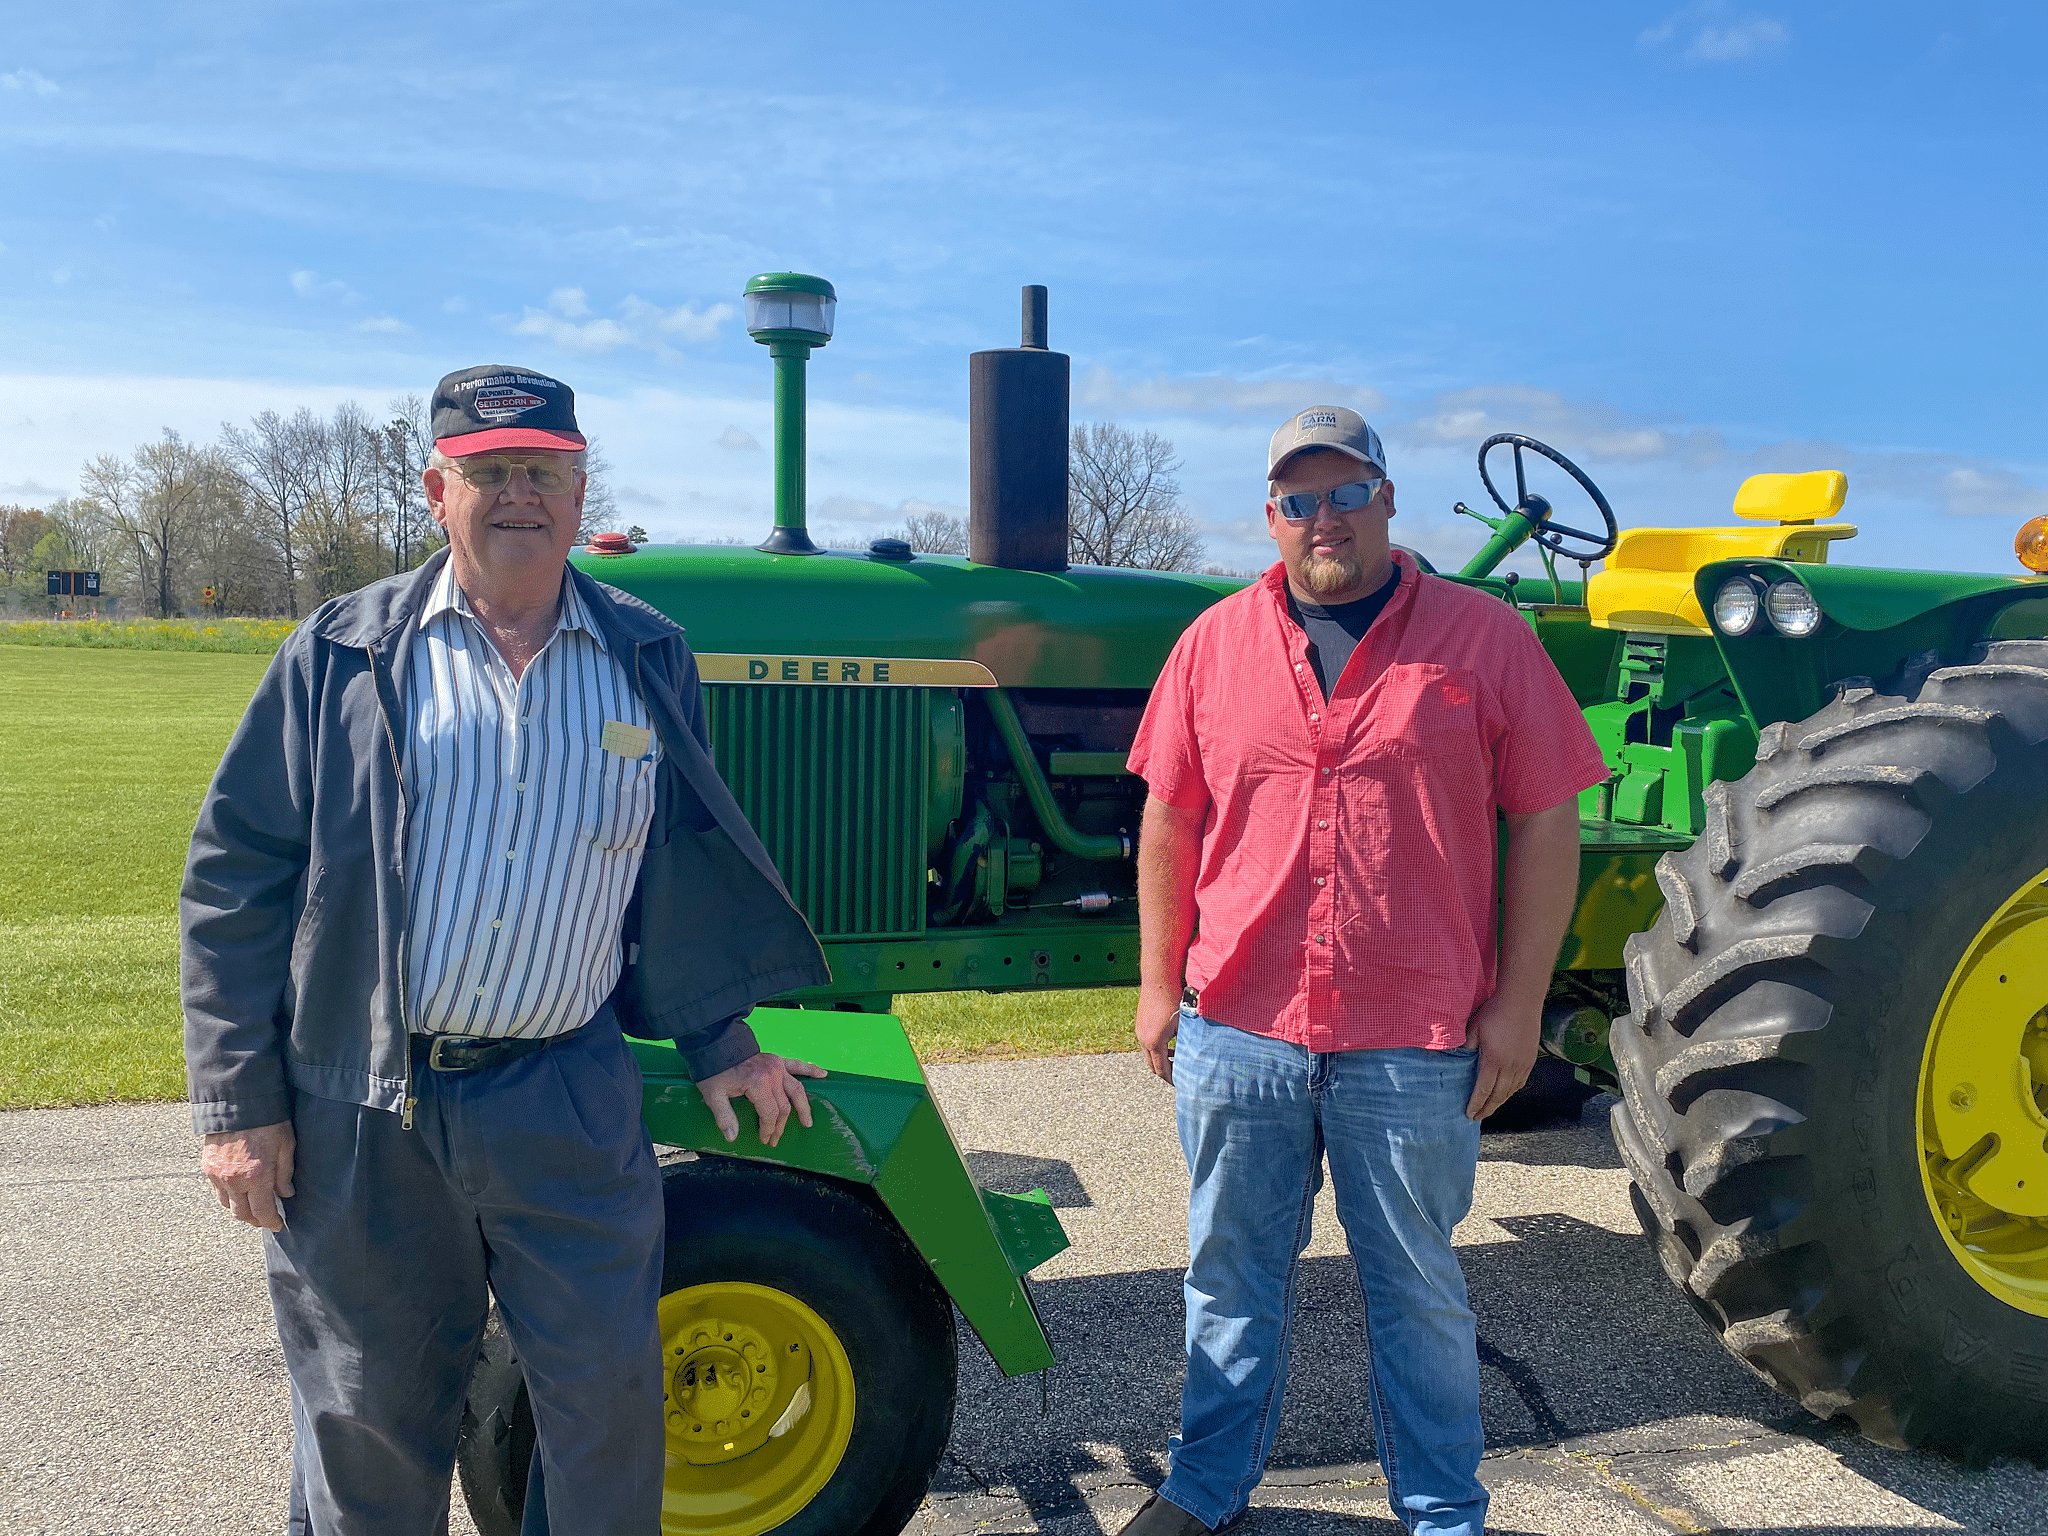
x,y
833,781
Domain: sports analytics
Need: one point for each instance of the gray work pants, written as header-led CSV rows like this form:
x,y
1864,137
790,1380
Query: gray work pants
x,y
533,1182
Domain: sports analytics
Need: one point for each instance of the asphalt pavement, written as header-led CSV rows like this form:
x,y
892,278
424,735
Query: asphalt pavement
x,y
141,1388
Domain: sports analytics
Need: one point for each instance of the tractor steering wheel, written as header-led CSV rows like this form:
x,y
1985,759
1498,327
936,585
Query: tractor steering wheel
x,y
1550,535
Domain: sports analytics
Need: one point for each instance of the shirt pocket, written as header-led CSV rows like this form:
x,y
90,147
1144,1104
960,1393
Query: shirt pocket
x,y
1423,711
619,805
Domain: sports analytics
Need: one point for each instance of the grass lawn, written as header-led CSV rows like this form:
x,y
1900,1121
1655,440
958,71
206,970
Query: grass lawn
x,y
104,753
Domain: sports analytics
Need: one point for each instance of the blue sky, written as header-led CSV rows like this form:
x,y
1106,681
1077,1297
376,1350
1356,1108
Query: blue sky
x,y
1681,242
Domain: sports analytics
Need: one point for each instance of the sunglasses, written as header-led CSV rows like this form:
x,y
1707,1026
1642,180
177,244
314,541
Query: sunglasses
x,y
547,476
1301,506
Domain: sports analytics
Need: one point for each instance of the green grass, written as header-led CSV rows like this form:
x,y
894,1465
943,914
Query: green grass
x,y
103,757
104,754
249,637
978,1026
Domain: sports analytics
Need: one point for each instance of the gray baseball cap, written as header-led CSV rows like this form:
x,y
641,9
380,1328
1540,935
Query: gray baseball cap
x,y
1325,426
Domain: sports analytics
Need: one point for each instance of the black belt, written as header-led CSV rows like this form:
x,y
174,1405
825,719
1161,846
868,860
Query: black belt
x,y
473,1053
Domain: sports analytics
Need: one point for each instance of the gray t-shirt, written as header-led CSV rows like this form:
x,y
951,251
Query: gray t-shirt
x,y
1334,632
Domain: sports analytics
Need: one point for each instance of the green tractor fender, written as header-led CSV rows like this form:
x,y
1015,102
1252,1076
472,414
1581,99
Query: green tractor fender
x,y
1873,622
876,1124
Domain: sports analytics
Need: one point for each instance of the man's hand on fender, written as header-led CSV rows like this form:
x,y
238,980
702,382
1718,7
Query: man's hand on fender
x,y
250,1171
1158,1023
1507,1032
772,1084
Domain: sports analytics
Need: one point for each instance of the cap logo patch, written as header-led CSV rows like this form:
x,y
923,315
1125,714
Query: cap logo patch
x,y
1309,421
501,402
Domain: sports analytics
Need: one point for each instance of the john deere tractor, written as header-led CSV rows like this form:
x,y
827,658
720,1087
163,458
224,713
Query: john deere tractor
x,y
1810,952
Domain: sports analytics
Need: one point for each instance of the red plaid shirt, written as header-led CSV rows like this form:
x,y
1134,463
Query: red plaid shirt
x,y
1345,897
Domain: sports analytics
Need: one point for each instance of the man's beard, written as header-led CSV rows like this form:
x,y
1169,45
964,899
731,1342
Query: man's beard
x,y
1327,575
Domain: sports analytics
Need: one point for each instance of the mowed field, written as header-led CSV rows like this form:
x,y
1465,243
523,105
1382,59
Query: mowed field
x,y
104,754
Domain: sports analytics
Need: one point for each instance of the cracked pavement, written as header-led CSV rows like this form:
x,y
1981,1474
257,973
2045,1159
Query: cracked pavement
x,y
141,1388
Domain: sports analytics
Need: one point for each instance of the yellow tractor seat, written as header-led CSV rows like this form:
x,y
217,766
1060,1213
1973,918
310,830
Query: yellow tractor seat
x,y
1647,583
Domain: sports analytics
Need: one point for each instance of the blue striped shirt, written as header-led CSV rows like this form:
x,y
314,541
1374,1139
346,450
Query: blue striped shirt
x,y
526,820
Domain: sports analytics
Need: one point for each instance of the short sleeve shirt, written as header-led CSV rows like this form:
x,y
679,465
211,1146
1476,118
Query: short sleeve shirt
x,y
1345,898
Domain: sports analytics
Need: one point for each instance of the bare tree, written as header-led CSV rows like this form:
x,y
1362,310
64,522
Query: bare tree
x,y
1123,501
155,503
600,504
932,532
269,456
403,446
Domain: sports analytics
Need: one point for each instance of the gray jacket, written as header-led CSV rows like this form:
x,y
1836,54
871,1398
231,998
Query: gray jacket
x,y
293,912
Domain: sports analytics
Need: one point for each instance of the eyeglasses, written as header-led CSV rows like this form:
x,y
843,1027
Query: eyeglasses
x,y
550,477
1301,506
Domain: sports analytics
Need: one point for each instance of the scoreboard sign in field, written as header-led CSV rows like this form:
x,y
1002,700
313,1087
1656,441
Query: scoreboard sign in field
x,y
73,583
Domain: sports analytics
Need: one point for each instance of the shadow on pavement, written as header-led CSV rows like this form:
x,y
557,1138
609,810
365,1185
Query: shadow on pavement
x,y
1580,1335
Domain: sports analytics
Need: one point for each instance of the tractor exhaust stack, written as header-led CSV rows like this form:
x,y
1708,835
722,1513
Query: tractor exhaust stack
x,y
1017,450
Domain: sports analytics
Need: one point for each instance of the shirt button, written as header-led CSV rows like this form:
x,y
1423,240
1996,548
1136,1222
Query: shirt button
x,y
1319,881
479,991
498,922
1326,770
511,853
1323,825
1314,718
522,783
1320,939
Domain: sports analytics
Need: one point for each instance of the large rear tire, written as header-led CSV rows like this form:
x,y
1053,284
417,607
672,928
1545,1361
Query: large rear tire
x,y
1835,1071
809,1357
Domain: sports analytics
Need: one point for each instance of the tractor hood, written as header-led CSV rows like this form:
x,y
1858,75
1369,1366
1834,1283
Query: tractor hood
x,y
747,610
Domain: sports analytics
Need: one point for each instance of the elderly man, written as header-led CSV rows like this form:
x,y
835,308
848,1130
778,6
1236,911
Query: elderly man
x,y
1326,752
468,829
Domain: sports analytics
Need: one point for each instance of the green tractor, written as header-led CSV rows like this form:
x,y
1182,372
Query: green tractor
x,y
1810,954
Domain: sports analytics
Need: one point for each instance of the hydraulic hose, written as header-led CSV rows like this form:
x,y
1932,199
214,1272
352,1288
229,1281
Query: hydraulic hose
x,y
1082,845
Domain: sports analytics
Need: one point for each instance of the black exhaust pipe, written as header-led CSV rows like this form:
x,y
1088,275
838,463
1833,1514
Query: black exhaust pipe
x,y
1017,450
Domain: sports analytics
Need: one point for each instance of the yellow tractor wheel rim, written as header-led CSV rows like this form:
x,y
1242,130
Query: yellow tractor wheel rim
x,y
759,1407
1984,1105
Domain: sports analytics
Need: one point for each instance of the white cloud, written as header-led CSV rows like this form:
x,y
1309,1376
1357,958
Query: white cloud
x,y
31,490
1976,492
568,322
28,80
311,285
739,439
1211,394
1575,428
1713,34
633,496
383,325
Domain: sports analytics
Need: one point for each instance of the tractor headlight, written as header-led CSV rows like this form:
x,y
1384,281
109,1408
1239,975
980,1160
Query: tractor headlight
x,y
1736,606
1792,609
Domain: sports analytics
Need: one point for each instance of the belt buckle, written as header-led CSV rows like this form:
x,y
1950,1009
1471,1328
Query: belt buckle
x,y
434,1061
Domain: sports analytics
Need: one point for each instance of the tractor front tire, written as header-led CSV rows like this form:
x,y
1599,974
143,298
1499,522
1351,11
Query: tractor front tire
x,y
1835,1068
809,1359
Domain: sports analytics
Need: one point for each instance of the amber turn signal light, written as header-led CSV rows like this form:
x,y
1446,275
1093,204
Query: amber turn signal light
x,y
2031,543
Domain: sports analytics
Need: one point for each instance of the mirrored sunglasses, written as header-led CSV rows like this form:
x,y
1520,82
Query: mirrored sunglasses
x,y
1301,506
487,472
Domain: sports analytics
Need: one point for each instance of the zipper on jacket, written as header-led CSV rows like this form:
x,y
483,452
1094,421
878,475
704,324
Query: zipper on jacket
x,y
405,931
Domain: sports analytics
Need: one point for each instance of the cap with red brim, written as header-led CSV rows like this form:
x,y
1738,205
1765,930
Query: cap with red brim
x,y
498,439
490,408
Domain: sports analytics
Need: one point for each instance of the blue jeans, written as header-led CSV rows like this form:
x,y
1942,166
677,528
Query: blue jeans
x,y
1256,1116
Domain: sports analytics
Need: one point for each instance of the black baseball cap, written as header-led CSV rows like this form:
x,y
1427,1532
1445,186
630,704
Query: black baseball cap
x,y
492,407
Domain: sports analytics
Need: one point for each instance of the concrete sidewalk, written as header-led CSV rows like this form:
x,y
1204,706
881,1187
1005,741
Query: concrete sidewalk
x,y
141,1388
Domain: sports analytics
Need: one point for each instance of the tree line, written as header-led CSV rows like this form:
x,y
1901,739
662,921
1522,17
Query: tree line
x,y
273,517
282,512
